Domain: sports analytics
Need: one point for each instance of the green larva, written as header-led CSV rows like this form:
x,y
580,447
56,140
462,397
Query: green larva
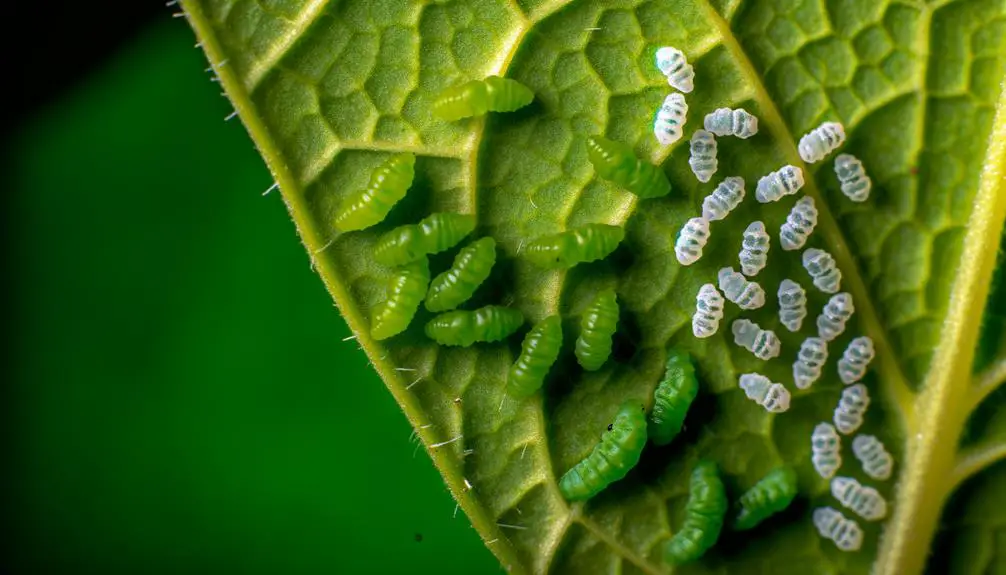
x,y
564,250
704,514
456,285
597,325
405,293
475,98
488,324
611,459
431,235
672,397
770,495
616,162
387,187
538,352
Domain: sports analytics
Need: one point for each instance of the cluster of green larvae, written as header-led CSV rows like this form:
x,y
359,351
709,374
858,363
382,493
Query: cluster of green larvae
x,y
407,249
621,447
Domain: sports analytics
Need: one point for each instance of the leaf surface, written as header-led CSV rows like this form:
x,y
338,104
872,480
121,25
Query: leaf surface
x,y
329,89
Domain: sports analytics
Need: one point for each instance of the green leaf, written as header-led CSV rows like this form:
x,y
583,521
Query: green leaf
x,y
329,89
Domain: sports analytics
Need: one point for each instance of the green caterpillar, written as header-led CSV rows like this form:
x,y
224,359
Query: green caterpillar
x,y
475,98
457,285
704,513
578,245
770,495
387,187
672,397
431,235
538,352
488,324
597,325
611,459
405,293
616,162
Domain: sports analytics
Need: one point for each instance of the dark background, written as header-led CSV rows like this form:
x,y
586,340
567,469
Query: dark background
x,y
177,394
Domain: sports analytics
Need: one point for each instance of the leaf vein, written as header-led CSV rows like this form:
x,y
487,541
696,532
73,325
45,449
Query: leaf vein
x,y
894,382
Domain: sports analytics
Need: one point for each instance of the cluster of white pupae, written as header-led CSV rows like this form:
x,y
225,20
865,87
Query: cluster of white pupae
x,y
737,288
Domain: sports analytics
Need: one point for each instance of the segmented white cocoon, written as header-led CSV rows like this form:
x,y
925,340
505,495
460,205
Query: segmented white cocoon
x,y
721,201
809,362
673,64
871,453
764,344
785,181
844,532
792,305
703,155
754,249
669,124
821,141
834,316
692,238
772,396
856,184
737,289
855,359
821,267
862,500
851,408
708,311
727,122
826,450
799,224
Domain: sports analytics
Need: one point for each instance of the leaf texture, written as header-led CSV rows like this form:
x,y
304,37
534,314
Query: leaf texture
x,y
329,89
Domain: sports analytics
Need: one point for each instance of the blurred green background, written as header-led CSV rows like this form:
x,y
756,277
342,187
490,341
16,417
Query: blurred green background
x,y
179,395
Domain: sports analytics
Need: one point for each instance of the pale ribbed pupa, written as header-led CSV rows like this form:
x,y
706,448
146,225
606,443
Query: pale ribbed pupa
x,y
821,141
799,224
708,311
721,201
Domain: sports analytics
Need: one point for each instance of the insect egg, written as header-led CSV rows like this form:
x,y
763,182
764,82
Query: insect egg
x,y
692,238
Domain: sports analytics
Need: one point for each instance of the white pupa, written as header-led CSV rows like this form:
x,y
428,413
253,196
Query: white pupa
x,y
821,267
792,305
809,362
669,124
821,141
672,63
862,500
703,155
721,201
727,122
844,532
754,249
785,181
826,450
737,289
874,457
708,311
834,316
772,396
851,408
764,344
855,359
691,240
799,224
